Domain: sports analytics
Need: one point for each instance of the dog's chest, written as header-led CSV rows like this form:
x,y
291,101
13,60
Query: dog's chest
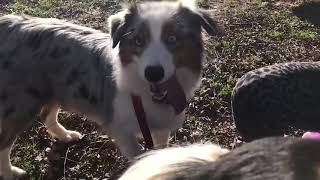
x,y
158,116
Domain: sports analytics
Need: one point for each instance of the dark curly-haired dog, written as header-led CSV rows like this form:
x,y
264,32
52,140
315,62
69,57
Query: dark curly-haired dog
x,y
268,100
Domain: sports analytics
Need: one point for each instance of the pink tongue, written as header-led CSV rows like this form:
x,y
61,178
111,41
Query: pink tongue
x,y
311,135
176,96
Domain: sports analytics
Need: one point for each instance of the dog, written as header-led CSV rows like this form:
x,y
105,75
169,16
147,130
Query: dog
x,y
268,100
153,51
273,158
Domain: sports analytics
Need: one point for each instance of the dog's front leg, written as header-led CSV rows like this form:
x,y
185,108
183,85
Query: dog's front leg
x,y
127,143
49,114
161,138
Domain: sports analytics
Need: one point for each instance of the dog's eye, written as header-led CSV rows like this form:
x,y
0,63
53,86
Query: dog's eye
x,y
138,41
172,39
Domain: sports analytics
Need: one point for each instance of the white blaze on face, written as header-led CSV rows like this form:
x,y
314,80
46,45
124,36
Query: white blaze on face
x,y
155,52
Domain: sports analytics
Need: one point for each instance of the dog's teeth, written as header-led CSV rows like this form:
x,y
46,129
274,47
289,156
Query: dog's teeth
x,y
160,97
165,93
157,94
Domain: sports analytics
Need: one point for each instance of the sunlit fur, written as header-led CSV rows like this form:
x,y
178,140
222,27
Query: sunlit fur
x,y
155,165
274,158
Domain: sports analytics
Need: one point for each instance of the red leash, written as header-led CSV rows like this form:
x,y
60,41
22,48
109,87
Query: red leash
x,y
141,116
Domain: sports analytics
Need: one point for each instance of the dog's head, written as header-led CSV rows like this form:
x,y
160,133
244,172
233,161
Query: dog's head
x,y
161,37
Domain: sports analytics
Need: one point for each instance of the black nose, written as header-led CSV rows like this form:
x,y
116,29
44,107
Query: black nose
x,y
154,73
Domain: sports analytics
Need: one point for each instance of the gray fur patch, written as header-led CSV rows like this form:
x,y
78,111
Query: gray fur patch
x,y
44,60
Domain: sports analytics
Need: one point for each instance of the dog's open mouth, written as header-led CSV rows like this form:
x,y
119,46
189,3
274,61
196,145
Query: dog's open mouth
x,y
158,95
169,92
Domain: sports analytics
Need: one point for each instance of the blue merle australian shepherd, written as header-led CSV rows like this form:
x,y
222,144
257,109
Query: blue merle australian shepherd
x,y
154,51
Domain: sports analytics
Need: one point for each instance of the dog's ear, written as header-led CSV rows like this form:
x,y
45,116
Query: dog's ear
x,y
119,23
211,26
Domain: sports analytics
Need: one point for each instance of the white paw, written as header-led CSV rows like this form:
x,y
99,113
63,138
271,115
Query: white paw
x,y
18,172
71,136
15,173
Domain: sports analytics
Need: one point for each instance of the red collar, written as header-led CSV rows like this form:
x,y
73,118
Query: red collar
x,y
141,116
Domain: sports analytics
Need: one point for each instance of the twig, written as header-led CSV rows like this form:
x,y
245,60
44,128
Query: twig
x,y
64,164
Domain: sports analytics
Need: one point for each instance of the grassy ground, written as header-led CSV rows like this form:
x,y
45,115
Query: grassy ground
x,y
258,34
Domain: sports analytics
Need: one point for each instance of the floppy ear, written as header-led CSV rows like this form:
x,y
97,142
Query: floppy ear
x,y
211,26
119,23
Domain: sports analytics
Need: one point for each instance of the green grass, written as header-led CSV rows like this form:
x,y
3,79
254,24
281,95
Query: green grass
x,y
41,8
31,159
55,8
306,35
288,26
227,87
92,13
277,34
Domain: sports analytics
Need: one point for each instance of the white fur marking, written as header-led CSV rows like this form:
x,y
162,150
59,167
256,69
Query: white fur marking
x,y
191,4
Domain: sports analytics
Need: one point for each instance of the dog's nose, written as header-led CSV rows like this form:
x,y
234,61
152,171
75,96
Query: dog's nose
x,y
154,73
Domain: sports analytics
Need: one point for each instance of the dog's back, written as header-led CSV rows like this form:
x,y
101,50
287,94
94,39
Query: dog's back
x,y
268,100
43,46
49,55
44,60
274,158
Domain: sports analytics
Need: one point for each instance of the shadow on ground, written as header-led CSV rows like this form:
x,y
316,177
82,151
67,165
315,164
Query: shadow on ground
x,y
309,11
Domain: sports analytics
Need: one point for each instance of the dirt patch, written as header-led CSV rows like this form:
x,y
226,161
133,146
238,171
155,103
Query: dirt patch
x,y
309,11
